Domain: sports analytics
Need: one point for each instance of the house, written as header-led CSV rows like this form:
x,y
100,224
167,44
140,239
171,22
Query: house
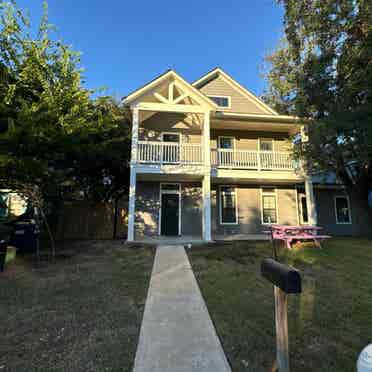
x,y
209,159
11,203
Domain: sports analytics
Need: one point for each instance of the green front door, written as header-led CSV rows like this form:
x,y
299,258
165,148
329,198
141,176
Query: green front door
x,y
169,214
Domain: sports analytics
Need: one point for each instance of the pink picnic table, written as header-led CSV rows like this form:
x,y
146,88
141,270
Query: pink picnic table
x,y
288,234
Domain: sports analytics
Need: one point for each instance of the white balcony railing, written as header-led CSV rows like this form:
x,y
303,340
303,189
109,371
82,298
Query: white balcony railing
x,y
156,152
169,153
255,160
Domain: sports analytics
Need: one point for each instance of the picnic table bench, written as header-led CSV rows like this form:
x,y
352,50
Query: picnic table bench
x,y
288,234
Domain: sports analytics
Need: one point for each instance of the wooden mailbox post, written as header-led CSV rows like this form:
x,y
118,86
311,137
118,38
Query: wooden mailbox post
x,y
286,281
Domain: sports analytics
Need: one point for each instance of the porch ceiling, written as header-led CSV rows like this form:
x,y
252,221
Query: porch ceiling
x,y
169,177
257,125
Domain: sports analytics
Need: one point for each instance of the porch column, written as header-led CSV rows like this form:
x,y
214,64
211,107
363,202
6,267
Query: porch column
x,y
310,201
207,226
132,183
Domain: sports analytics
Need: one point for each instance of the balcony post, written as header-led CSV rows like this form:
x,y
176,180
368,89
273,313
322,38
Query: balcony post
x,y
132,185
206,187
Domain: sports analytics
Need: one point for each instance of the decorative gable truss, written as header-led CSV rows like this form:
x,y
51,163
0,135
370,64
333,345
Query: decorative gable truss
x,y
170,93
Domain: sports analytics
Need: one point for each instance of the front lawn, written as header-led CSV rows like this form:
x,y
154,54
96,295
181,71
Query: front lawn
x,y
81,313
329,323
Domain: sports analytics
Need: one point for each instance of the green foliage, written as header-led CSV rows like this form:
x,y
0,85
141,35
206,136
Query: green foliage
x,y
53,134
323,71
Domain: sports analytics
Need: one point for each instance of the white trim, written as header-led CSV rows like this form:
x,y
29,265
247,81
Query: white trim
x,y
163,107
297,206
179,192
236,205
219,143
311,201
132,204
275,193
262,117
219,96
348,208
207,218
232,82
197,95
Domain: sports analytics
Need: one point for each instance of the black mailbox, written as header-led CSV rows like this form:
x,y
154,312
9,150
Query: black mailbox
x,y
282,276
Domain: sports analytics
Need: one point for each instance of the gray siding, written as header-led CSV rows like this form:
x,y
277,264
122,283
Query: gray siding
x,y
325,205
249,210
192,205
148,207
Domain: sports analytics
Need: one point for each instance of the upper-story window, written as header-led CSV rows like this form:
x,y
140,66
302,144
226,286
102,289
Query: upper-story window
x,y
226,143
266,144
221,101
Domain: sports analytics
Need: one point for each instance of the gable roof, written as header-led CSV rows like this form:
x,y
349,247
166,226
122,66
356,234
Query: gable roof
x,y
233,83
132,97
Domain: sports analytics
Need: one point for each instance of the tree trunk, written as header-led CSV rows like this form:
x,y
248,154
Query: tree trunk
x,y
116,207
52,243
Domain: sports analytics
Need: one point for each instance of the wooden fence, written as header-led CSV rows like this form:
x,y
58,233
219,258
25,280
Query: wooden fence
x,y
80,220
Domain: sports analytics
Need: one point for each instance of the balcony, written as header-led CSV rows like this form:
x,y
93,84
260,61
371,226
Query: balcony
x,y
168,153
154,152
252,160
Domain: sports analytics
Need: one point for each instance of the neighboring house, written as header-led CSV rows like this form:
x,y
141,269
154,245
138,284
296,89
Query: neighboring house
x,y
11,204
210,159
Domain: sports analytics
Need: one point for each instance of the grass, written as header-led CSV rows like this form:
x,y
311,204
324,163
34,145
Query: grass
x,y
329,323
81,313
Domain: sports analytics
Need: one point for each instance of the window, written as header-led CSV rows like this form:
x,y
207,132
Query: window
x,y
342,207
226,143
266,145
221,101
4,204
304,216
228,205
269,212
171,137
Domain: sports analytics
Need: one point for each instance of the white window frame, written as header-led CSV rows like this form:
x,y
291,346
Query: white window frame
x,y
236,205
265,139
348,208
262,193
219,142
218,96
179,192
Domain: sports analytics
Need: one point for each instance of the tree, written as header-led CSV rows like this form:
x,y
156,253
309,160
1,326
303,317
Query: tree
x,y
322,72
55,138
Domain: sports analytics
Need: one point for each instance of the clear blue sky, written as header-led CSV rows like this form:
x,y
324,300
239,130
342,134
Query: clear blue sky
x,y
127,43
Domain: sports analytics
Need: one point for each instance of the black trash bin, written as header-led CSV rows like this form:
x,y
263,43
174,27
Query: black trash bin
x,y
24,236
3,249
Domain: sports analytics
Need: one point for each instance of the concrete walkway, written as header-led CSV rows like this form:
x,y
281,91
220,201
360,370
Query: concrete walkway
x,y
177,334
